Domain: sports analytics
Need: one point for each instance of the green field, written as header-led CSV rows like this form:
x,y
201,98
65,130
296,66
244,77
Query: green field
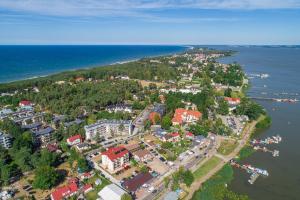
x,y
206,167
227,147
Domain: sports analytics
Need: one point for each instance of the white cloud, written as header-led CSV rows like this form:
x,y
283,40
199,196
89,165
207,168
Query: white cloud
x,y
134,7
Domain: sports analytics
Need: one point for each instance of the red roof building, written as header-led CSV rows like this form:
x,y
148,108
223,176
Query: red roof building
x,y
172,137
232,101
25,103
65,191
189,135
115,159
76,139
185,116
87,188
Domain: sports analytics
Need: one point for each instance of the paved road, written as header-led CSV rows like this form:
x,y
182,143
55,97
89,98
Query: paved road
x,y
196,185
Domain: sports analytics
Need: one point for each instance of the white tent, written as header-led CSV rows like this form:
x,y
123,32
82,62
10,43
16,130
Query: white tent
x,y
111,192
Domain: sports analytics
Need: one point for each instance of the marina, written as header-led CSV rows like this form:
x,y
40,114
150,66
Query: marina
x,y
269,140
254,171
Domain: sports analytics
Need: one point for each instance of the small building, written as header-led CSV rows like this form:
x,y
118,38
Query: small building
x,y
111,192
136,182
232,101
189,136
75,139
87,188
5,140
142,155
82,146
25,103
64,192
115,159
172,137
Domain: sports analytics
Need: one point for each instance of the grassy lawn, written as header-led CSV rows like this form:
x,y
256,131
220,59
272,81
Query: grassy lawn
x,y
227,147
206,167
92,195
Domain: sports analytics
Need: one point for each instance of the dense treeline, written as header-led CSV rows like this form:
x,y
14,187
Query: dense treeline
x,y
142,69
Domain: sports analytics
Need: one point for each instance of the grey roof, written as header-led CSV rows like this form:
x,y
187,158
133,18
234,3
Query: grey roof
x,y
105,121
77,121
31,126
43,131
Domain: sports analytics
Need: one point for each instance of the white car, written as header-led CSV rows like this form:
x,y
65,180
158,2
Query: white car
x,y
151,189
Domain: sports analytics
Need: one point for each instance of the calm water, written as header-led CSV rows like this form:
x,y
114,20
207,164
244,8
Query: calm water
x,y
20,62
283,65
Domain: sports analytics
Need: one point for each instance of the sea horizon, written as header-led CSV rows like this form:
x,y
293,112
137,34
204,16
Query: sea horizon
x,y
46,60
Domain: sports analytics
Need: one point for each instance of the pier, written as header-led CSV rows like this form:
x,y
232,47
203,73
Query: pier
x,y
255,172
285,100
275,153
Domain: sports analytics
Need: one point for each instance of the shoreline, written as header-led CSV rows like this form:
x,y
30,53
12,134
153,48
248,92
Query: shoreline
x,y
92,66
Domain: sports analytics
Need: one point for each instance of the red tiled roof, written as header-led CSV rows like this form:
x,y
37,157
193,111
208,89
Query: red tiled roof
x,y
232,99
25,102
174,135
115,152
189,134
87,187
73,138
64,191
179,112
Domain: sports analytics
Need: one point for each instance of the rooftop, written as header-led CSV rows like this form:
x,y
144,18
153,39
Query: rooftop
x,y
115,152
137,181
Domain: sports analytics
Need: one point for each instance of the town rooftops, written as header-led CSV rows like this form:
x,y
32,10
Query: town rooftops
x,y
115,152
180,113
133,184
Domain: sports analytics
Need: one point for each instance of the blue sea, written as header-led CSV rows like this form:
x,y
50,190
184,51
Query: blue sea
x,y
26,61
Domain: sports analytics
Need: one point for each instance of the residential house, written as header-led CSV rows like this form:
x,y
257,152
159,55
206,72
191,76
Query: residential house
x,y
189,136
25,103
171,137
232,101
115,159
142,155
73,140
65,192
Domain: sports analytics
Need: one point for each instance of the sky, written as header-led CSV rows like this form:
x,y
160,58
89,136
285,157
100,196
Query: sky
x,y
242,22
